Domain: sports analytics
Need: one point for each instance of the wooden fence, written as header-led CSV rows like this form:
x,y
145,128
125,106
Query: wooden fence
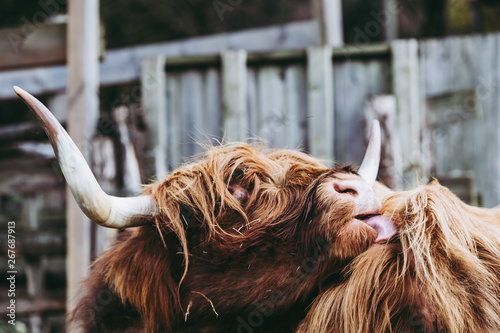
x,y
441,118
445,117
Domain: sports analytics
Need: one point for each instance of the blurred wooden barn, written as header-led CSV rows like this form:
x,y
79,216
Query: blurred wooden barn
x,y
293,86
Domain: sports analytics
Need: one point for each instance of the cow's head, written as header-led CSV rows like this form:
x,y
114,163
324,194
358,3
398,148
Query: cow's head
x,y
250,220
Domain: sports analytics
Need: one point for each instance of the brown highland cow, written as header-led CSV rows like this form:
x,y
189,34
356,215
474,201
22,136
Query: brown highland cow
x,y
440,274
246,241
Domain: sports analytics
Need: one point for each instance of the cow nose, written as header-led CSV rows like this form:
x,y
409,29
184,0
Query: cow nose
x,y
346,187
361,192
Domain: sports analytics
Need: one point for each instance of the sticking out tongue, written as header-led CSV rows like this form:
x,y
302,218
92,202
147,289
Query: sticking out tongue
x,y
384,226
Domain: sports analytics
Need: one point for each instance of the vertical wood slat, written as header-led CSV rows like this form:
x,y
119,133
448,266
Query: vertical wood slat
x,y
194,113
34,269
154,106
173,126
296,106
390,18
277,104
252,102
410,122
272,116
234,95
83,105
493,89
329,16
485,138
320,102
212,104
192,116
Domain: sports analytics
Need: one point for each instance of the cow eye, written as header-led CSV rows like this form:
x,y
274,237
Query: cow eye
x,y
238,192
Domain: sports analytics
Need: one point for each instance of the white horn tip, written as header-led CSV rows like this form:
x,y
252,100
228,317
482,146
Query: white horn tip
x,y
369,167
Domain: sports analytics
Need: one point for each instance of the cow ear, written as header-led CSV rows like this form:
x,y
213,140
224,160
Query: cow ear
x,y
238,192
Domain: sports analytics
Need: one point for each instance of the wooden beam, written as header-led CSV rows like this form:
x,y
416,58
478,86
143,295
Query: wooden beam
x,y
410,110
389,16
26,306
154,106
30,46
27,179
347,52
83,106
329,16
320,102
234,95
362,50
53,79
124,65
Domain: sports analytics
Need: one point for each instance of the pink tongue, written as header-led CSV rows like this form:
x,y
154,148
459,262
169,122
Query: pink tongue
x,y
384,226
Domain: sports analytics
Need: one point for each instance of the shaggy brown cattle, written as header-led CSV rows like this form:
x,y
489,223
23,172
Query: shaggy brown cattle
x,y
239,241
441,274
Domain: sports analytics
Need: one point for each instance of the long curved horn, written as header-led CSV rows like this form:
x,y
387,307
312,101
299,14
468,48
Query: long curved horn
x,y
106,210
371,162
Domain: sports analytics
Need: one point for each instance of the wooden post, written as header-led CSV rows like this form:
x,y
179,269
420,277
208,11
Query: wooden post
x,y
83,106
234,95
34,269
389,16
320,113
329,16
154,106
410,110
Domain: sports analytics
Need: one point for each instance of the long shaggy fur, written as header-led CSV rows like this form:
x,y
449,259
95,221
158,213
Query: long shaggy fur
x,y
442,274
244,240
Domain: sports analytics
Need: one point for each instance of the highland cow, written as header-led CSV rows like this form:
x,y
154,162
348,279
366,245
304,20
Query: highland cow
x,y
440,274
239,241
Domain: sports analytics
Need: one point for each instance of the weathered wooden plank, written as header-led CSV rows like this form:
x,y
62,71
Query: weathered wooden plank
x,y
120,67
173,127
461,86
411,118
154,104
459,64
277,104
192,115
27,180
451,118
491,89
212,105
234,90
329,15
354,82
485,139
25,306
104,167
123,65
431,55
389,18
271,104
275,56
349,138
123,69
39,243
21,131
253,111
30,46
83,106
295,130
320,102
